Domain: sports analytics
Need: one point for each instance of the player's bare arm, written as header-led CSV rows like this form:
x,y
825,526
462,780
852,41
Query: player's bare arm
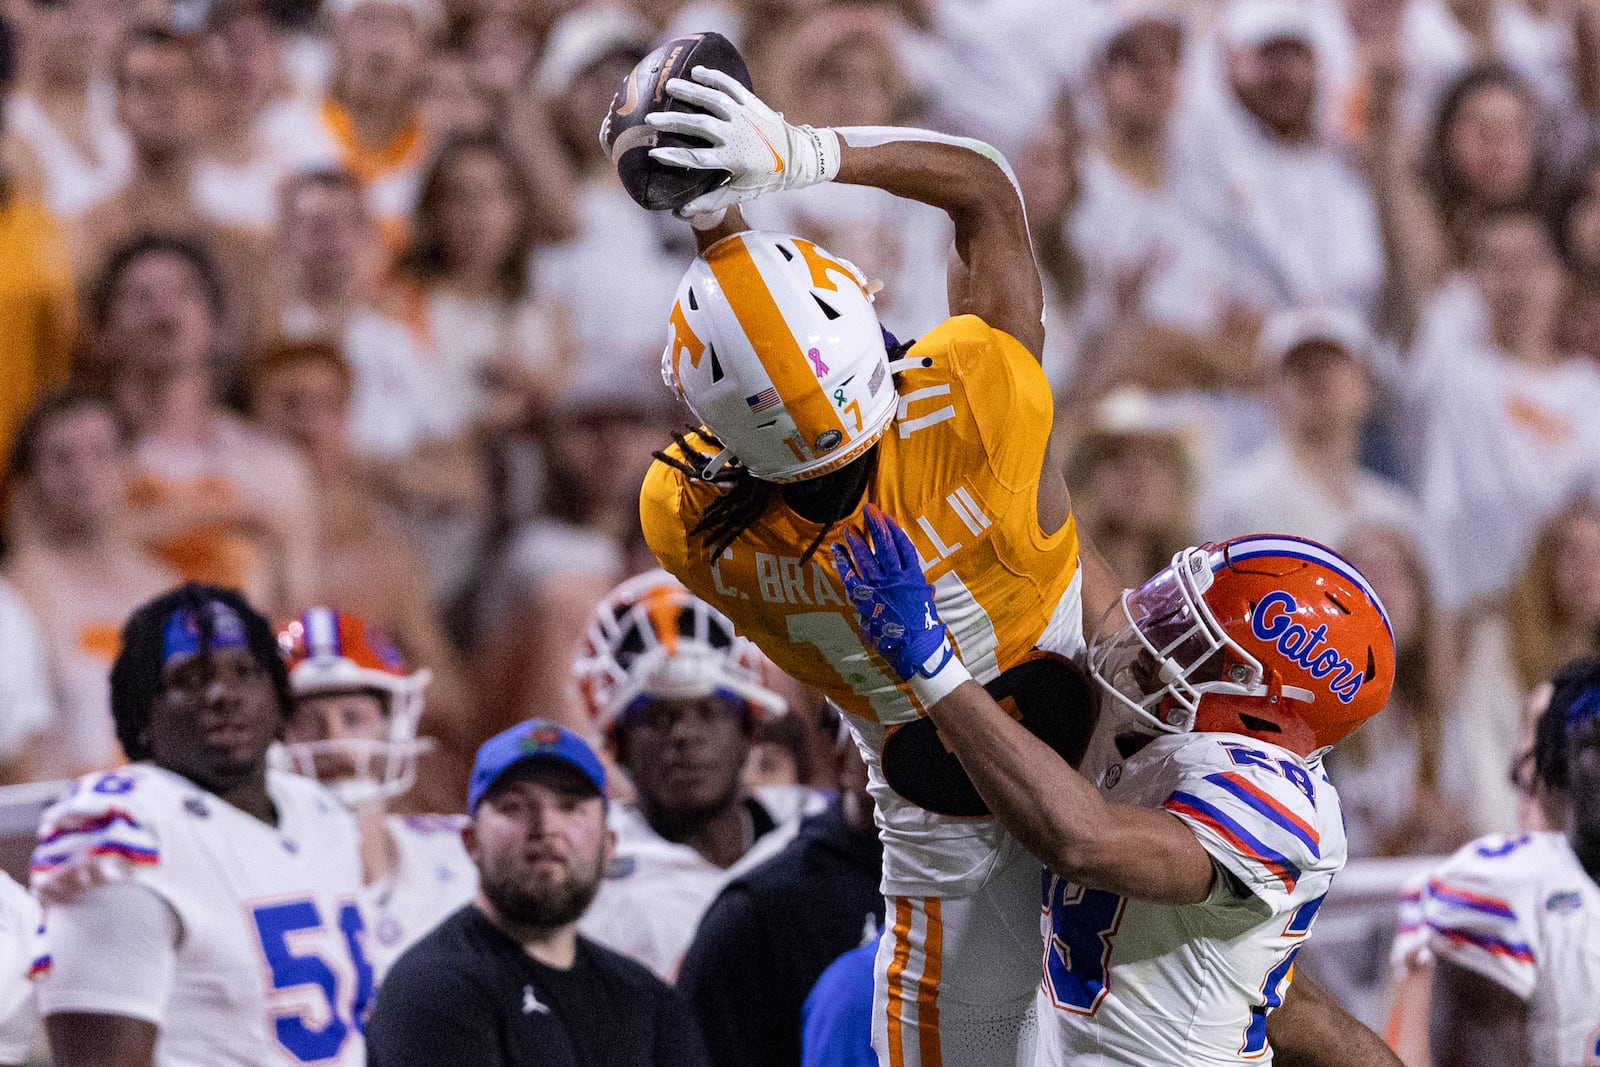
x,y
969,181
1310,1029
1476,1022
966,179
1059,815
83,1039
709,229
1053,810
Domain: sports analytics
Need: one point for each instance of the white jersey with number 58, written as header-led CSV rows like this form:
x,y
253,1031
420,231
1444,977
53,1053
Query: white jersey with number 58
x,y
1128,982
270,965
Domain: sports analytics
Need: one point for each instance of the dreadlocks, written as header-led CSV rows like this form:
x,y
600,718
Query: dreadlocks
x,y
136,676
1571,682
826,500
733,511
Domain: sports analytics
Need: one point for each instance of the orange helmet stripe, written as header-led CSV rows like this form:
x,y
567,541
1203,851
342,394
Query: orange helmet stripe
x,y
662,608
763,323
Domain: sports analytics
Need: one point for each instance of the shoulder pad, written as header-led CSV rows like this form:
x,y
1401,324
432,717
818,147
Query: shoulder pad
x,y
1256,813
102,831
1479,907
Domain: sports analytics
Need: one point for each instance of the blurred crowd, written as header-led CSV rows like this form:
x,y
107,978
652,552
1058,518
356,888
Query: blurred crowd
x,y
343,304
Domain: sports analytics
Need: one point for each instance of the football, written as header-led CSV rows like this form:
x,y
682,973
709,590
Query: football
x,y
629,139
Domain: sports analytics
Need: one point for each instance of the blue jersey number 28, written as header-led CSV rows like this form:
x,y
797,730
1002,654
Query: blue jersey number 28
x,y
290,969
1083,923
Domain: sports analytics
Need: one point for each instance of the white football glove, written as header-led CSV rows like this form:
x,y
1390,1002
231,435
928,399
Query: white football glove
x,y
747,138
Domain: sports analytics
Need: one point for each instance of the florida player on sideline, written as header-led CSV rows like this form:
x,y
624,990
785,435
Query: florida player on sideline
x,y
808,415
354,729
1512,923
675,694
200,909
1182,888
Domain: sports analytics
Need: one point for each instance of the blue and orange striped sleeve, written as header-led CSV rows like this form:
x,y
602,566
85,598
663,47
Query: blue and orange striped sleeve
x,y
1257,825
95,835
1474,916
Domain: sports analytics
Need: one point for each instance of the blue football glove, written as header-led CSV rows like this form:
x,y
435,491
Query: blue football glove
x,y
898,618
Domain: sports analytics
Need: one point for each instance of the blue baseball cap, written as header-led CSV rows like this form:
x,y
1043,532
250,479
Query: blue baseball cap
x,y
534,739
1585,706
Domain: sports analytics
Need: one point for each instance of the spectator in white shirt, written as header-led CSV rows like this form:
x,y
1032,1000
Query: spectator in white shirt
x,y
1402,793
1482,154
840,68
1295,222
1159,307
1551,613
64,107
1125,221
499,355
1506,421
404,418
236,180
1309,481
77,564
619,272
330,268
26,709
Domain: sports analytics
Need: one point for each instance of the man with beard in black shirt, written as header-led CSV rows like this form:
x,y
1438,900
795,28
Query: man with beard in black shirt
x,y
507,980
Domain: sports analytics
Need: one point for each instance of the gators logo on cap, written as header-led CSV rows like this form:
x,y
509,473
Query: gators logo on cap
x,y
540,737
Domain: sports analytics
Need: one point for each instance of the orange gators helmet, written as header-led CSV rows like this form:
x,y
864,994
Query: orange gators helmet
x,y
333,652
1271,636
651,637
774,344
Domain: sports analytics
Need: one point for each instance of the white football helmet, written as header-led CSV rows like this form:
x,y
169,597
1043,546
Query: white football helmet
x,y
651,637
774,345
332,652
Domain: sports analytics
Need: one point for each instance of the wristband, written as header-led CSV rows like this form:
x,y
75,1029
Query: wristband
x,y
938,676
825,144
706,220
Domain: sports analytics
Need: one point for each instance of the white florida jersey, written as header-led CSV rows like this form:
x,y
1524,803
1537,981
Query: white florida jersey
x,y
433,878
656,891
21,954
1522,912
270,963
1129,982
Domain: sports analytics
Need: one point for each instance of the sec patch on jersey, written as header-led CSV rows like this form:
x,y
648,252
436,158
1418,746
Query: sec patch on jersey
x,y
628,139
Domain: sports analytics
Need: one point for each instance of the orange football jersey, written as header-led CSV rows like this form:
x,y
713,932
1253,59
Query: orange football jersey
x,y
958,468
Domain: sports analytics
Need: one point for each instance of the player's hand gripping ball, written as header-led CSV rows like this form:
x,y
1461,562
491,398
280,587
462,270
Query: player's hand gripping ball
x,y
628,139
